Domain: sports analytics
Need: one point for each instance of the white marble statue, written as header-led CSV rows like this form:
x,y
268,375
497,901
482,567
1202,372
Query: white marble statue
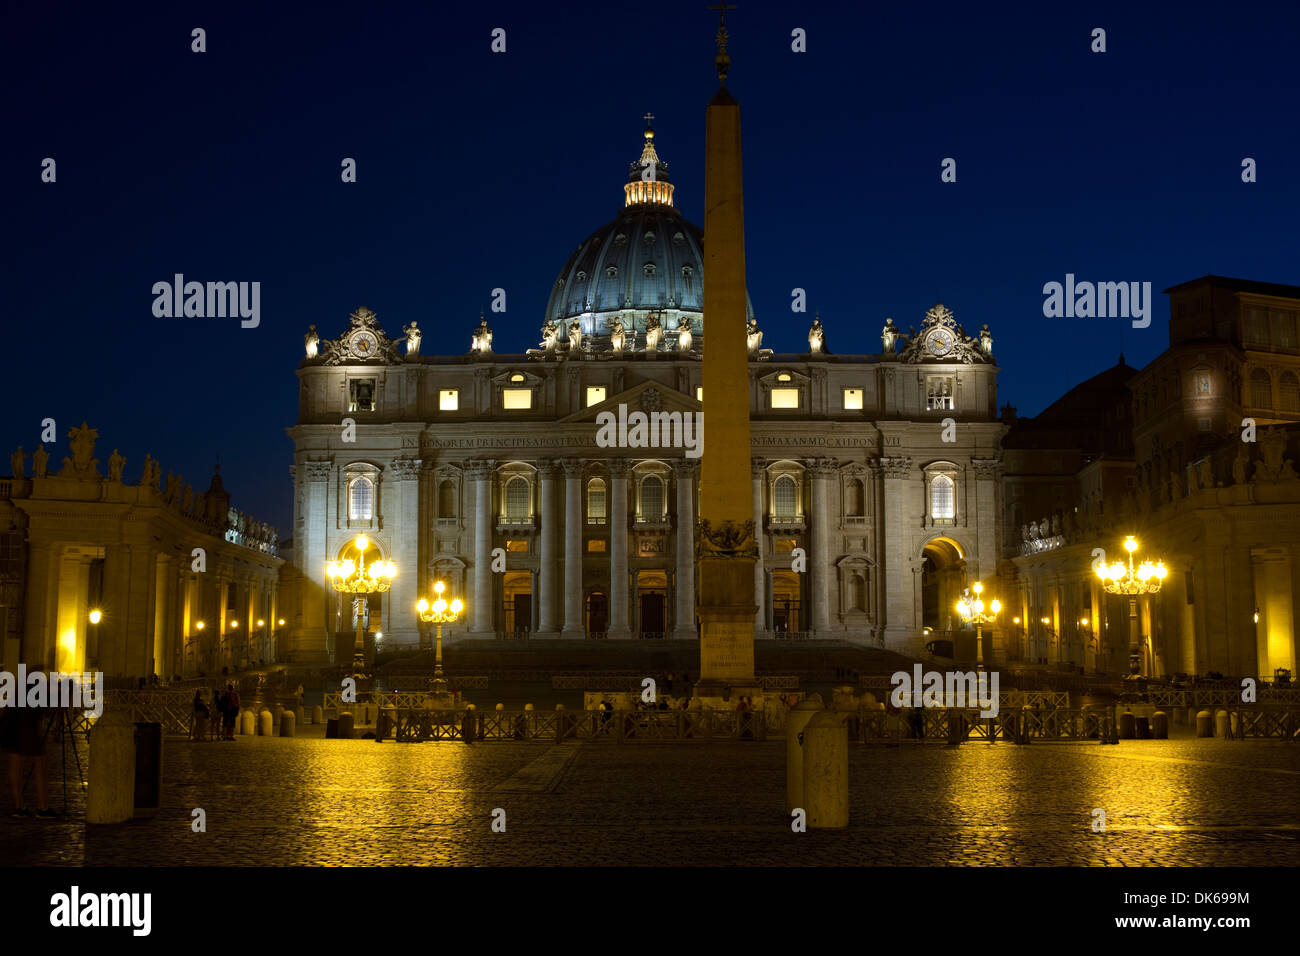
x,y
753,337
986,339
550,337
617,336
575,336
684,334
888,337
653,333
312,341
816,337
413,336
482,340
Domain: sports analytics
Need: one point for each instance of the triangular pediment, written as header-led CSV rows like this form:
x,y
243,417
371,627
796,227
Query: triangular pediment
x,y
646,397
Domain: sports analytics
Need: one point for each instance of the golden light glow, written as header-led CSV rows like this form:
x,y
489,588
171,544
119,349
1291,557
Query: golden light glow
x,y
260,622
95,616
1130,544
234,625
422,605
1016,620
199,625
280,622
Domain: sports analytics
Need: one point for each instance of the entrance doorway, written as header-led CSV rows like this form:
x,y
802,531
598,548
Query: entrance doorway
x,y
652,603
787,610
943,575
517,601
597,613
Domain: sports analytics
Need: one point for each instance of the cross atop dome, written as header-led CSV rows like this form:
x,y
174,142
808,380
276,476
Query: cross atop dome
x,y
647,178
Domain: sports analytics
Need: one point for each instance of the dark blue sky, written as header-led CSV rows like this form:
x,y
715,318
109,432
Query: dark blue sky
x,y
479,170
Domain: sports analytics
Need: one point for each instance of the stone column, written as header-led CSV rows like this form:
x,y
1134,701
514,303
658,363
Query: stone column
x,y
902,585
574,626
758,471
688,470
549,568
310,621
618,626
822,470
404,520
480,473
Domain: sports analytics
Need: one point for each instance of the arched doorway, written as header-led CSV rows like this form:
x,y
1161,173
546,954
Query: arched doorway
x,y
597,613
353,609
787,610
943,574
652,603
517,602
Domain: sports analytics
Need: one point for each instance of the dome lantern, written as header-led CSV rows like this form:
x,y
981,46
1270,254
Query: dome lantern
x,y
647,178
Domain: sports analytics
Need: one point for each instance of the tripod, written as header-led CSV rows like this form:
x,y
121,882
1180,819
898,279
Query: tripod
x,y
66,731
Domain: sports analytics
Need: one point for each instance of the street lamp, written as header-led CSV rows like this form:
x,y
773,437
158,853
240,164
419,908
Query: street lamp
x,y
356,577
973,609
439,613
1146,578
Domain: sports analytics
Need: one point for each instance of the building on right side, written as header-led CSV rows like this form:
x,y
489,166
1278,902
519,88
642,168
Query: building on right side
x,y
1193,456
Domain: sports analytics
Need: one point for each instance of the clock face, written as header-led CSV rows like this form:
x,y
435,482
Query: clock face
x,y
939,342
364,344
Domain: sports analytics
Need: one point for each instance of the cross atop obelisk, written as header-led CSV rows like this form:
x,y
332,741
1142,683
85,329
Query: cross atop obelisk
x,y
723,61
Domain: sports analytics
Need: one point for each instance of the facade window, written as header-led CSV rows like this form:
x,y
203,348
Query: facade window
x,y
596,501
518,499
448,399
1284,329
783,499
516,398
446,499
652,498
1202,384
1256,327
852,399
517,547
1203,424
595,394
943,498
361,500
784,545
939,393
1261,389
699,393
854,498
517,378
785,398
596,545
361,395
1288,392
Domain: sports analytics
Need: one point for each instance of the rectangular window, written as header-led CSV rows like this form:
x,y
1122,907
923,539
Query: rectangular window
x,y
938,393
595,545
785,398
1203,424
361,395
783,545
516,398
699,393
852,399
516,547
1284,329
1256,327
595,394
448,399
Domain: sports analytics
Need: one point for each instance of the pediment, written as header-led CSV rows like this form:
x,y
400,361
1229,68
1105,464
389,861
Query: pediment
x,y
645,397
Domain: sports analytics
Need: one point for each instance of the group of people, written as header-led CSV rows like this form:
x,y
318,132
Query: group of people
x,y
226,703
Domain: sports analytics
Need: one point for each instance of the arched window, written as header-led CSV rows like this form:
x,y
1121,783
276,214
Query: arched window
x,y
652,498
596,501
943,502
783,498
1261,389
855,498
1288,392
859,591
361,500
518,497
446,499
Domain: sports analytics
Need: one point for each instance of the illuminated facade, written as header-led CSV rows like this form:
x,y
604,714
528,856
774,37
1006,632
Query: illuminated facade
x,y
1193,454
79,542
486,469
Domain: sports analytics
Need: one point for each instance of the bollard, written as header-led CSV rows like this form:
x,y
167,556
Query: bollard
x,y
501,706
1127,725
956,726
826,772
1160,725
795,722
110,782
317,714
1142,728
247,723
385,723
287,721
265,723
299,716
1022,728
345,725
1204,724
1222,725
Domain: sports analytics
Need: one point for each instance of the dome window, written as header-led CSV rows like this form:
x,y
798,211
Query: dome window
x,y
582,276
649,239
559,283
612,272
649,269
679,239
687,272
620,240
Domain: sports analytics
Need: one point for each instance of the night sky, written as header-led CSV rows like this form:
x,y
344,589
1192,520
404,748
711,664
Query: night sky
x,y
479,170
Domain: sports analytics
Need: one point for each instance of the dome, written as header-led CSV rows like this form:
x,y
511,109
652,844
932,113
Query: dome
x,y
647,261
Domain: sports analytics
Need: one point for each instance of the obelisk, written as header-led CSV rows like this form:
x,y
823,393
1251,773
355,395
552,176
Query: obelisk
x,y
725,545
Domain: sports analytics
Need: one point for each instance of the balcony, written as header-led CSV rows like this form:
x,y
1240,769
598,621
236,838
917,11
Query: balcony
x,y
508,525
785,524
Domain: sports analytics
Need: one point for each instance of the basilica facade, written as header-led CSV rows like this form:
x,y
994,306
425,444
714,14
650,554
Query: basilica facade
x,y
875,478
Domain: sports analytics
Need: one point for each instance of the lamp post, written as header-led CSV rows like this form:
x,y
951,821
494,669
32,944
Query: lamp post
x,y
972,609
1146,578
360,579
438,613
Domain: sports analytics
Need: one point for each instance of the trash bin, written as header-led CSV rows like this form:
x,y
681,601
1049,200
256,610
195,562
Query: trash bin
x,y
148,768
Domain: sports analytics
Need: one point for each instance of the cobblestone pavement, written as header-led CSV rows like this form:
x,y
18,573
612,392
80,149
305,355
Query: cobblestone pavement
x,y
1184,802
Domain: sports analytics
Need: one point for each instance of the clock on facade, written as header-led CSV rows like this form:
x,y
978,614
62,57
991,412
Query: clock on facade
x,y
939,342
363,344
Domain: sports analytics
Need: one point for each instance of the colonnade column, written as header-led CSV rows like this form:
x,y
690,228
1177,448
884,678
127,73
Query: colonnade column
x,y
758,469
819,595
618,627
573,623
550,560
688,470
480,473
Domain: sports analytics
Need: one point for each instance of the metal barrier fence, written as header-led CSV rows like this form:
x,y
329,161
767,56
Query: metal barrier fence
x,y
939,723
412,726
1222,697
1269,724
